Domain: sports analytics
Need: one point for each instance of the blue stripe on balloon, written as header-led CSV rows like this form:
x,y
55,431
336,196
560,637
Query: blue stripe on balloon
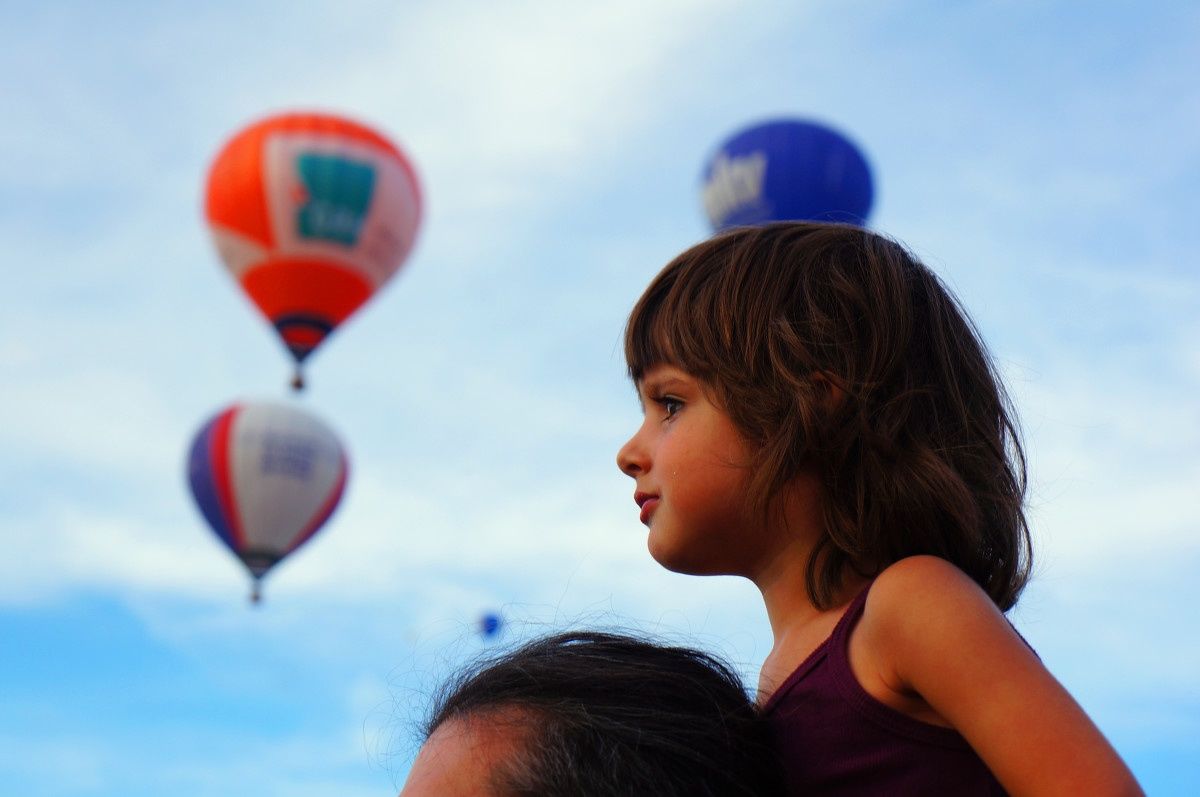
x,y
202,478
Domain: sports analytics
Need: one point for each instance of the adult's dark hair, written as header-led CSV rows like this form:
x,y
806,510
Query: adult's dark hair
x,y
608,715
835,350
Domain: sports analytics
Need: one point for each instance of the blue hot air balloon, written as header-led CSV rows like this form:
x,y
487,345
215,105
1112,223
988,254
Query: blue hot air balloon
x,y
787,169
490,625
266,477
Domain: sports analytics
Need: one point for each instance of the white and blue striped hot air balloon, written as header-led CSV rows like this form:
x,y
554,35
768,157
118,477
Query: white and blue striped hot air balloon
x,y
266,476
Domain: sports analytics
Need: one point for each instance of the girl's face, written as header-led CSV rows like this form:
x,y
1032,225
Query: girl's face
x,y
691,466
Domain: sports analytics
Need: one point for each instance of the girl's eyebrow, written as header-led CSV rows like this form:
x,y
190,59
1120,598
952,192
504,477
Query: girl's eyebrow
x,y
660,385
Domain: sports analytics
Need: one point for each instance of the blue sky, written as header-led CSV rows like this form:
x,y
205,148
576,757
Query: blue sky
x,y
1043,157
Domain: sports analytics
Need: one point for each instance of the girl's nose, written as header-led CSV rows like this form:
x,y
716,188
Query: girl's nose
x,y
631,459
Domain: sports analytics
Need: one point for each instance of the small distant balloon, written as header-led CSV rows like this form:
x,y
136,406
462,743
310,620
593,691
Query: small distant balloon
x,y
266,477
490,625
311,213
785,170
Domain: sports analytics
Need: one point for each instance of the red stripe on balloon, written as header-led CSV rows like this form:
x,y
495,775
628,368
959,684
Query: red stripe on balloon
x,y
322,514
223,476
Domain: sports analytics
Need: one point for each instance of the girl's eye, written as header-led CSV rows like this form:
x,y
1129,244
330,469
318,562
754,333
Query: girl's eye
x,y
670,405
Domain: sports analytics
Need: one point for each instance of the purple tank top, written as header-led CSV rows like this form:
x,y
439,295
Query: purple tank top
x,y
835,739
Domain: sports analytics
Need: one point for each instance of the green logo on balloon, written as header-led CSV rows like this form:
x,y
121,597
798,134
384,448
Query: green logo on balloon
x,y
336,197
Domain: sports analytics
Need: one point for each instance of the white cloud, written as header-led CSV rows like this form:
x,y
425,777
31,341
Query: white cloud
x,y
1112,444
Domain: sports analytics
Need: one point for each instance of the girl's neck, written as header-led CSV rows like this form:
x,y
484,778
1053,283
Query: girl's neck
x,y
798,625
784,587
794,525
785,593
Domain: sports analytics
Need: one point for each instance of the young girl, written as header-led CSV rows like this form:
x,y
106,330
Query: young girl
x,y
822,418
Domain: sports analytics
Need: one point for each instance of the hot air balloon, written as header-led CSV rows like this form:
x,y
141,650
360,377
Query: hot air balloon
x,y
311,213
266,476
786,169
490,625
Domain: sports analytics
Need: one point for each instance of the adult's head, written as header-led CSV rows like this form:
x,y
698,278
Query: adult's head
x,y
591,714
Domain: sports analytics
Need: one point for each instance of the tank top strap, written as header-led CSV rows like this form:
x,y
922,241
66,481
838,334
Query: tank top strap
x,y
850,617
840,671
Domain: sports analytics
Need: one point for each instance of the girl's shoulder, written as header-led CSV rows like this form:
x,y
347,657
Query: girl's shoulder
x,y
933,645
923,588
919,613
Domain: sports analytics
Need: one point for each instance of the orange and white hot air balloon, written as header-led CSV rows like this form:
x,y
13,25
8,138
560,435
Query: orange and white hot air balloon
x,y
311,213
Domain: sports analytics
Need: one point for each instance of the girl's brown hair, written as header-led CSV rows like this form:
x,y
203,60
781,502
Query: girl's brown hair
x,y
834,349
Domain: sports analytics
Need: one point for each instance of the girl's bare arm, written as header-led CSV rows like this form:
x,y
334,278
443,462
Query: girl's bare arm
x,y
933,634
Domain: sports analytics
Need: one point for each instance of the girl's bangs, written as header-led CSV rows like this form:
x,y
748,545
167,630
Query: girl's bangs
x,y
657,332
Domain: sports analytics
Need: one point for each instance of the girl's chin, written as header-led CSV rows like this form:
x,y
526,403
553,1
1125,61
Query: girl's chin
x,y
688,563
667,556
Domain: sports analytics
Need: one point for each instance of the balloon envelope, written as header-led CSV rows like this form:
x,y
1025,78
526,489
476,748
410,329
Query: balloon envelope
x,y
311,213
786,169
266,477
490,625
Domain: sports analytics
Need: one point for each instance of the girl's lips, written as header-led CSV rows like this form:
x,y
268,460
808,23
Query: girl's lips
x,y
648,506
